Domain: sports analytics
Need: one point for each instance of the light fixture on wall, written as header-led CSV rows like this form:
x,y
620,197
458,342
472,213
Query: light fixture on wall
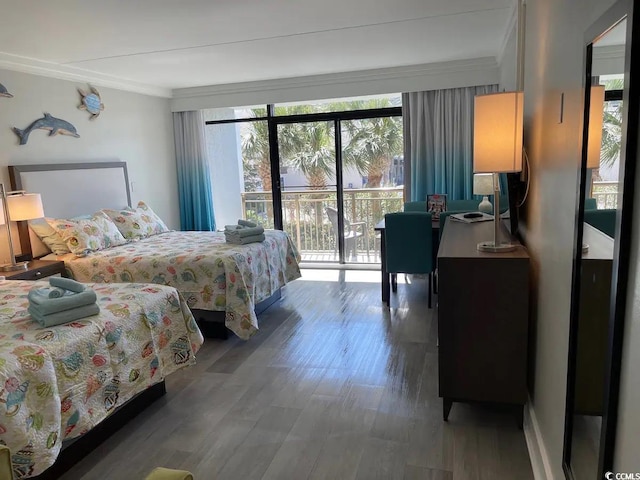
x,y
497,148
483,185
18,206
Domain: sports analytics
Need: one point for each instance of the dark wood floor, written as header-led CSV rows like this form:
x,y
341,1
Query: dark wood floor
x,y
334,386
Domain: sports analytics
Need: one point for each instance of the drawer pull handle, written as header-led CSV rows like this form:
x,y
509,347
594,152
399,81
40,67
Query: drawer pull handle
x,y
38,273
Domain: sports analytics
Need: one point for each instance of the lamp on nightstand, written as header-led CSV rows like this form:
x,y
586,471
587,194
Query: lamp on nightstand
x,y
497,148
483,185
18,206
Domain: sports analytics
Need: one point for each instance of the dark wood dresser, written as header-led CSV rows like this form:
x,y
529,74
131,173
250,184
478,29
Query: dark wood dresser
x,y
483,319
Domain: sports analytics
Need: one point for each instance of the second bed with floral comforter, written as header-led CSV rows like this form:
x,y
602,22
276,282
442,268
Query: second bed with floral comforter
x,y
57,383
209,273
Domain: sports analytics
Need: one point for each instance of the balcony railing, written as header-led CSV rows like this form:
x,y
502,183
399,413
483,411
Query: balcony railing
x,y
606,194
306,220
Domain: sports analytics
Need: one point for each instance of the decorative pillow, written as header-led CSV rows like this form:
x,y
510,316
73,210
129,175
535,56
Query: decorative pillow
x,y
49,236
150,217
86,235
133,224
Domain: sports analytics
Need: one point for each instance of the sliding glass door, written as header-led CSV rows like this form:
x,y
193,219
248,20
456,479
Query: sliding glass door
x,y
309,189
325,172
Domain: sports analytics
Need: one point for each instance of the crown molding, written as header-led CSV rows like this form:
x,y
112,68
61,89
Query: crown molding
x,y
511,26
381,74
64,72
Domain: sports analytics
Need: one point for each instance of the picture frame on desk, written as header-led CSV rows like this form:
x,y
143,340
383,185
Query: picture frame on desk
x,y
436,204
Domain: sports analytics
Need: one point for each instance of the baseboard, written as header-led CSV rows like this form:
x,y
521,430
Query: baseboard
x,y
537,452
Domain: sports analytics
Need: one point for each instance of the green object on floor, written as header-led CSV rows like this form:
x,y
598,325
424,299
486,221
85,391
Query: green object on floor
x,y
161,473
6,470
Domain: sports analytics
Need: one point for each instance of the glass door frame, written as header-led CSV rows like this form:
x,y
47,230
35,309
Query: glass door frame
x,y
337,118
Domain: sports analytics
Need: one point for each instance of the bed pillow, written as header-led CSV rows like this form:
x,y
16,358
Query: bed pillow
x,y
133,224
49,236
151,218
87,235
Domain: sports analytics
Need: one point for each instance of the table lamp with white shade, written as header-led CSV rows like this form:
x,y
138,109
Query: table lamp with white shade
x,y
18,206
483,185
497,148
596,119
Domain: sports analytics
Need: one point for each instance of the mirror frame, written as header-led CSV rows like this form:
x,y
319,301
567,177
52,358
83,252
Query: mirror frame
x,y
622,243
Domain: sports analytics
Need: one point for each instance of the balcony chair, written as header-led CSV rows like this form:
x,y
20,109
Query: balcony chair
x,y
408,246
351,233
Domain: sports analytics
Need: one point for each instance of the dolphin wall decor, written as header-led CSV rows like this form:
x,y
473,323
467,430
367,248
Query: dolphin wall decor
x,y
4,92
48,122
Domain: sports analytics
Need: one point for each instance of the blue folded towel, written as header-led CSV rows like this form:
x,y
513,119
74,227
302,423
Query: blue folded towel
x,y
247,223
244,232
53,292
67,284
70,300
64,317
245,240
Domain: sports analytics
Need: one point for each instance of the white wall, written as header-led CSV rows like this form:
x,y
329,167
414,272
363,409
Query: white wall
x,y
508,62
554,66
133,128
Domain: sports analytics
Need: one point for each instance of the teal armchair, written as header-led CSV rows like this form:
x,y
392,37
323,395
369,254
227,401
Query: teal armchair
x,y
590,204
603,220
408,246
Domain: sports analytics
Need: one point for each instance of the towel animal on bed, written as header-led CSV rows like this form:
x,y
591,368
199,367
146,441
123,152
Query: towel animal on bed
x,y
64,301
243,233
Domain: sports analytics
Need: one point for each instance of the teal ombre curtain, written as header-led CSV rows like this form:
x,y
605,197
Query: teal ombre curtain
x,y
438,135
194,177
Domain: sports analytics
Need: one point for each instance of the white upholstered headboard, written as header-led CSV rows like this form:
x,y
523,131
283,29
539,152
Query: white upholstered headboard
x,y
72,189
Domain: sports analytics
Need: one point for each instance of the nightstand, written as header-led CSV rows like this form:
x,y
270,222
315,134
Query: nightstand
x,y
37,269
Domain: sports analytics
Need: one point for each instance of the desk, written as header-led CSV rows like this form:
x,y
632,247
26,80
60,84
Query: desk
x,y
483,319
593,322
386,286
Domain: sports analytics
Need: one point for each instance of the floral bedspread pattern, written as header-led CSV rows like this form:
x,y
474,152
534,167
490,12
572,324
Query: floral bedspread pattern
x,y
209,273
57,383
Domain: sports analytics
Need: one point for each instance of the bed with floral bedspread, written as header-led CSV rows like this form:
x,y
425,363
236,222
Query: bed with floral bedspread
x,y
57,383
209,273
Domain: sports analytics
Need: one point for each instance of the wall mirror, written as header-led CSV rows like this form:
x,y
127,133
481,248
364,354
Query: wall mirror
x,y
602,247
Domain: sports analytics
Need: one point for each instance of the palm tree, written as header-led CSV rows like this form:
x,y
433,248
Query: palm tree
x,y
611,127
255,151
373,143
309,147
370,144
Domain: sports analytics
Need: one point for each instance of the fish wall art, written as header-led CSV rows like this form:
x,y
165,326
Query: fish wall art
x,y
4,92
54,125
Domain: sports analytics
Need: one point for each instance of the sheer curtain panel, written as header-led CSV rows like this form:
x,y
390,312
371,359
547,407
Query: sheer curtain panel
x,y
194,176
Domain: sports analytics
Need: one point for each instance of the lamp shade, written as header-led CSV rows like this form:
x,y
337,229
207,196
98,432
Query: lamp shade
x,y
497,132
25,207
483,184
596,118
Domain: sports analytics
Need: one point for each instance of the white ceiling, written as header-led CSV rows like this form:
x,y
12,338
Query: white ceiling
x,y
186,43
